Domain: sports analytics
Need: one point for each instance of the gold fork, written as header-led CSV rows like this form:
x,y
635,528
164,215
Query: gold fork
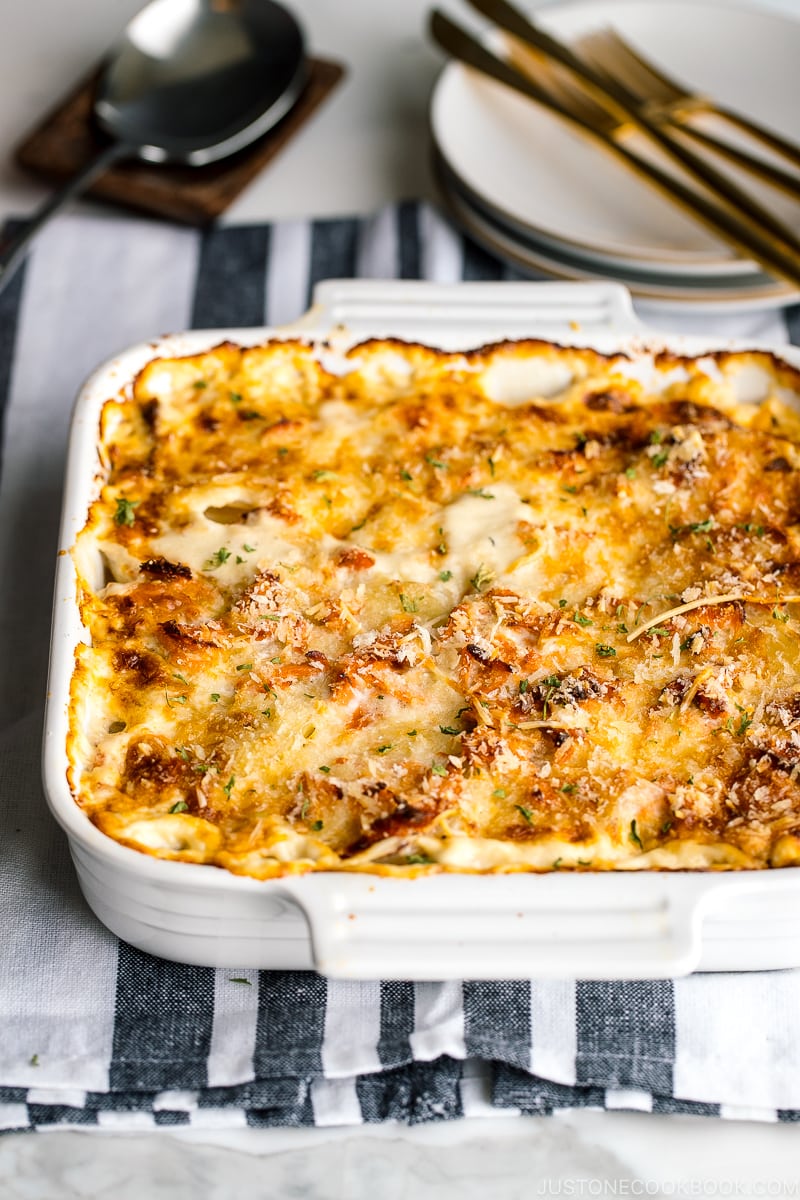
x,y
669,102
581,112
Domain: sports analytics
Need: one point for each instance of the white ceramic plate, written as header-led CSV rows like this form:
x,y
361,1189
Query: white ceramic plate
x,y
534,170
717,296
739,274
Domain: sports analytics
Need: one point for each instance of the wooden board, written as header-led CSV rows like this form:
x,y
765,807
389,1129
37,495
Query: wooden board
x,y
67,139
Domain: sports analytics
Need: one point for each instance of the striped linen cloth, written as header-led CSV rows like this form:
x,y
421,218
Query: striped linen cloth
x,y
95,1033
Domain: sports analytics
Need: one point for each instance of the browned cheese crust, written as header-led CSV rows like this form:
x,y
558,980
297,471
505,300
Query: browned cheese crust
x,y
524,608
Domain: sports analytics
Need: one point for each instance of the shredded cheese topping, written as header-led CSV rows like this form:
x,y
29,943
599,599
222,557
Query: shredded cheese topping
x,y
385,618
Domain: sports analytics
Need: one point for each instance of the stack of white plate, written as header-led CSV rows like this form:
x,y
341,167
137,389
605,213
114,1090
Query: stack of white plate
x,y
552,202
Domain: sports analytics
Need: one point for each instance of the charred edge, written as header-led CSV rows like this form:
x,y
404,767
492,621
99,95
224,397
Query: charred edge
x,y
145,667
162,568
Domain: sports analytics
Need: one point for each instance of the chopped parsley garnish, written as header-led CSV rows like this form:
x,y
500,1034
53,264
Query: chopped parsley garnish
x,y
445,576
228,788
659,459
655,437
568,787
490,461
200,384
438,769
407,605
481,579
665,828
557,864
325,770
244,667
182,678
481,493
579,619
571,488
499,793
320,474
434,462
634,836
215,697
235,397
117,726
745,722
630,472
124,513
523,686
33,1061
407,476
411,733
562,604
413,859
524,812
239,979
248,549
316,826
449,731
179,807
384,749
217,559
780,616
694,527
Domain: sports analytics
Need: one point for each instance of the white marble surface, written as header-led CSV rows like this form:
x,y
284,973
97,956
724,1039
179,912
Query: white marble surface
x,y
369,145
589,1154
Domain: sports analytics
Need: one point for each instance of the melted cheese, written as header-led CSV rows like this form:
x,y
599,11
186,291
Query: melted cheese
x,y
511,610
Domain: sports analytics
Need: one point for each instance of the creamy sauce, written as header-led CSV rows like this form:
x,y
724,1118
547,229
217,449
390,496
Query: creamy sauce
x,y
482,531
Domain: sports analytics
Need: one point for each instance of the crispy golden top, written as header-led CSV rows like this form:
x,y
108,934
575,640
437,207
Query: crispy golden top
x,y
522,608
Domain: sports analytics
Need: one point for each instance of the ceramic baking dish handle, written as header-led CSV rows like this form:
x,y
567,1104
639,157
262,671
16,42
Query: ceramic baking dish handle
x,y
478,927
445,312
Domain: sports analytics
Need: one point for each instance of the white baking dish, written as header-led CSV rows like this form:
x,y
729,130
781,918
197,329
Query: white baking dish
x,y
605,925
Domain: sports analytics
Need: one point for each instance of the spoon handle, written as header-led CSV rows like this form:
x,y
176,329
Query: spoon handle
x,y
12,252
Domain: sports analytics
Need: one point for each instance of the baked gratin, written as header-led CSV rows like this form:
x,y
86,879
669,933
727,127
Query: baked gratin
x,y
520,608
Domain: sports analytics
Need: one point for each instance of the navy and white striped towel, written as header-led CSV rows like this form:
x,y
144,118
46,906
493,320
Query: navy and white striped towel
x,y
96,1033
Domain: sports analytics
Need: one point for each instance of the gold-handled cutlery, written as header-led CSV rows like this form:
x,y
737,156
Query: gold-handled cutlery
x,y
612,95
583,112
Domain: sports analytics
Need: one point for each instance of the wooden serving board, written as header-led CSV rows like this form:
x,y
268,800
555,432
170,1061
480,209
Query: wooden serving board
x,y
67,138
